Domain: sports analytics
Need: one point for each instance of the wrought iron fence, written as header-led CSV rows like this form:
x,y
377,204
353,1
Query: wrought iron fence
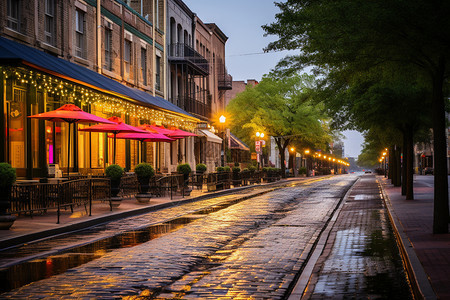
x,y
39,197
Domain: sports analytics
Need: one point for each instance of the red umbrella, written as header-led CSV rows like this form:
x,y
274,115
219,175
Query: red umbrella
x,y
117,126
71,114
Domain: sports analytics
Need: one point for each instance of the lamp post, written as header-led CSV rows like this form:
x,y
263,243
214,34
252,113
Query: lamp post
x,y
258,147
222,120
306,162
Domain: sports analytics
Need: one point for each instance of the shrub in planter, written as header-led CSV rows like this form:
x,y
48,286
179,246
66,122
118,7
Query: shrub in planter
x,y
184,169
226,169
200,168
236,176
144,172
252,168
7,179
115,173
302,170
220,169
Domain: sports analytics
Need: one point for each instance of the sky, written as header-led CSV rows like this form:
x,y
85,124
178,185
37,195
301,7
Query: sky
x,y
241,21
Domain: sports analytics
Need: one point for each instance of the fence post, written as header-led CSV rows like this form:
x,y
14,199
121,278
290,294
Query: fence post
x,y
58,199
90,191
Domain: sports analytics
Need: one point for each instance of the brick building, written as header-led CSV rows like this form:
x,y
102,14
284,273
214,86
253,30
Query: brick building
x,y
120,46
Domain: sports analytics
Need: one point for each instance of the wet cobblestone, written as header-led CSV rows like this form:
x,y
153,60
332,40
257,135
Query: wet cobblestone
x,y
361,259
250,249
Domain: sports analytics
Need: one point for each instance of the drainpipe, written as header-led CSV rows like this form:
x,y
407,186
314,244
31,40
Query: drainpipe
x,y
99,37
155,2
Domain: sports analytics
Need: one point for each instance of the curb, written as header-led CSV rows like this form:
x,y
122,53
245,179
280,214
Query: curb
x,y
418,279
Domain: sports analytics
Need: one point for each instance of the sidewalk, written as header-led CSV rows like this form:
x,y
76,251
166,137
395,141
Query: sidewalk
x,y
428,254
29,228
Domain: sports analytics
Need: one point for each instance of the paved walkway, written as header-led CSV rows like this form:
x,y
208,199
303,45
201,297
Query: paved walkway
x,y
28,228
428,253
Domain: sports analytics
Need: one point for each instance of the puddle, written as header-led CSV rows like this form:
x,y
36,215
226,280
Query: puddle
x,y
21,274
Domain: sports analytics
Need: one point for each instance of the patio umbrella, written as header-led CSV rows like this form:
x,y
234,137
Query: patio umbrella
x,y
159,129
178,133
117,126
144,137
70,114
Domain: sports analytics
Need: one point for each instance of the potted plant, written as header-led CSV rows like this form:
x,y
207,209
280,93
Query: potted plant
x,y
144,173
115,173
185,169
7,179
200,168
236,176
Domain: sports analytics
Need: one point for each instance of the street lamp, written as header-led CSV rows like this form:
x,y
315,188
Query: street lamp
x,y
222,120
306,162
258,147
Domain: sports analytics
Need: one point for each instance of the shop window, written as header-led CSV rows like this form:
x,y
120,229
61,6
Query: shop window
x,y
16,126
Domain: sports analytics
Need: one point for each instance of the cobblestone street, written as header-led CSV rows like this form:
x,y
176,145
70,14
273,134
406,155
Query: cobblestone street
x,y
252,248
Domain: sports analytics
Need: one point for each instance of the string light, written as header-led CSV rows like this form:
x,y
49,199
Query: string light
x,y
107,104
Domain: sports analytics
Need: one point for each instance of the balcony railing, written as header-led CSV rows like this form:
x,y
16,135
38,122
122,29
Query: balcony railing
x,y
225,82
194,106
185,53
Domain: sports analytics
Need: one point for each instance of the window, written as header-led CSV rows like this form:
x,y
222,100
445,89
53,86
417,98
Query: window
x,y
80,37
127,55
157,13
13,14
108,49
50,22
144,66
158,74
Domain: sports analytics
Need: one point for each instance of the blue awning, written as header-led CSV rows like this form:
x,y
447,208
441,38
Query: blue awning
x,y
11,52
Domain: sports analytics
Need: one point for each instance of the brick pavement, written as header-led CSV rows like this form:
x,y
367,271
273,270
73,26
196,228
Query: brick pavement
x,y
360,259
430,253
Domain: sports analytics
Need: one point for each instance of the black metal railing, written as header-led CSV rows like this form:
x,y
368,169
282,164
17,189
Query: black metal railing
x,y
225,82
40,197
186,52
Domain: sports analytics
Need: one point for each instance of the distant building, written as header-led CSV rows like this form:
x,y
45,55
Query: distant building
x,y
238,87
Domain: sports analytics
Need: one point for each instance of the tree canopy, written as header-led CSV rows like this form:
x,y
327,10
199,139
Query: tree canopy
x,y
341,39
282,108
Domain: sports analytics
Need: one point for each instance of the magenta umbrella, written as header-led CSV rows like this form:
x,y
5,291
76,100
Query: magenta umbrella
x,y
145,137
178,133
117,126
71,114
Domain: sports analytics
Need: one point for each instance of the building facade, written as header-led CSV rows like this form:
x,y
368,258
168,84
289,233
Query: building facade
x,y
196,80
107,57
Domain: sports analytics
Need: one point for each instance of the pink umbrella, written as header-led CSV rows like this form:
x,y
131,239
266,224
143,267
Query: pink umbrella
x,y
160,129
118,126
145,137
71,114
178,133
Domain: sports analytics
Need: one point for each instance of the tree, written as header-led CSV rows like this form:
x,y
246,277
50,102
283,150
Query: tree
x,y
356,35
283,109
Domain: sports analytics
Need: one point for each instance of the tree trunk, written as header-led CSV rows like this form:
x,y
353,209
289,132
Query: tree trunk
x,y
409,164
281,149
403,163
441,206
398,167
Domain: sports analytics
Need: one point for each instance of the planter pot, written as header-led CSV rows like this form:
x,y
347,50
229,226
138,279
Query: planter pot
x,y
6,220
115,187
143,184
143,198
115,201
236,183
